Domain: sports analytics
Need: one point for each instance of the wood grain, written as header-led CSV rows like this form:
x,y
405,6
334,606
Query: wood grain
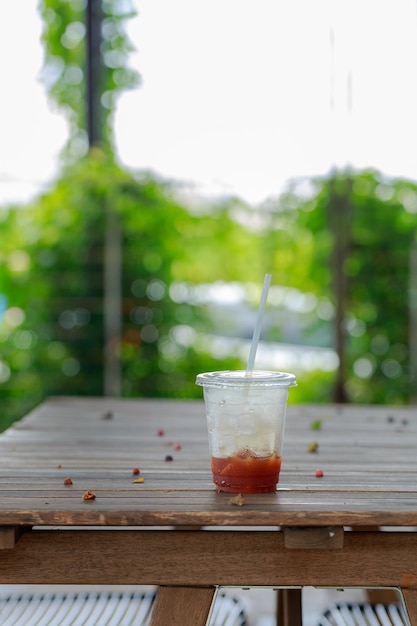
x,y
328,538
182,606
367,455
289,607
206,558
410,600
368,490
7,537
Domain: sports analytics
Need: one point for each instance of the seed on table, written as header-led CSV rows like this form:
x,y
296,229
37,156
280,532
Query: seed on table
x,y
319,473
238,500
89,495
177,446
135,470
160,432
168,458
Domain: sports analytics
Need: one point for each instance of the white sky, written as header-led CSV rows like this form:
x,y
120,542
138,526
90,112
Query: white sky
x,y
237,96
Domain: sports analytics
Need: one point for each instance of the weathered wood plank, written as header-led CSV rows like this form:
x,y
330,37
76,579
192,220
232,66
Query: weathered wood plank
x,y
198,558
289,608
7,537
182,606
209,509
155,479
367,455
410,601
327,538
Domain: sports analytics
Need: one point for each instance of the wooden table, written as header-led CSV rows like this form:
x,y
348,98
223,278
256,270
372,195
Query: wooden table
x,y
352,527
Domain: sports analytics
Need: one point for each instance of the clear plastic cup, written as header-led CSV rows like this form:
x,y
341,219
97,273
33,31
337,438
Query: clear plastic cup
x,y
246,422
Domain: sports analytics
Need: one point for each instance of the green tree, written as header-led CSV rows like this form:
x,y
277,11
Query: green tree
x,y
99,224
51,269
374,266
66,63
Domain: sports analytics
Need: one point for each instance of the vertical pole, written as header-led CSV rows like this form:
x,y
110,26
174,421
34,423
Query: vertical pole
x,y
340,217
340,224
412,321
94,19
113,258
289,607
112,244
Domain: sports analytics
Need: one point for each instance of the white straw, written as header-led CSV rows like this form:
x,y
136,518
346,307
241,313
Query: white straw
x,y
258,324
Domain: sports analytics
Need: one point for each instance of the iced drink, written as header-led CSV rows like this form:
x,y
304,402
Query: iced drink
x,y
246,421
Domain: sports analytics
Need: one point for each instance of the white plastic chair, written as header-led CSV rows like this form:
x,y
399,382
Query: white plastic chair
x,y
352,614
108,608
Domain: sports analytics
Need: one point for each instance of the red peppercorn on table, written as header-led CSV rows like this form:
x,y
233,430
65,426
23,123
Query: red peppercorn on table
x,y
108,491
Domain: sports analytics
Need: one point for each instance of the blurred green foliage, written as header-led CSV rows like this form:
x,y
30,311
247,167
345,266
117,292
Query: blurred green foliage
x,y
377,317
52,265
65,63
51,270
55,255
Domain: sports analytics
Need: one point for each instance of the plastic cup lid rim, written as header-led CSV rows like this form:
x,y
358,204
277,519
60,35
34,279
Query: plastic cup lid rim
x,y
240,377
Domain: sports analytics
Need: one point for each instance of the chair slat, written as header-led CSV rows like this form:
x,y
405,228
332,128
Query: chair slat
x,y
99,609
396,614
363,615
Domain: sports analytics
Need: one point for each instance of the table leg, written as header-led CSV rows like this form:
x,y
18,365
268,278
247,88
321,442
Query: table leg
x,y
410,600
289,607
182,606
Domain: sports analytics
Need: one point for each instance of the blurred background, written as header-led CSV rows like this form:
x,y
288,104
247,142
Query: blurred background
x,y
157,158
